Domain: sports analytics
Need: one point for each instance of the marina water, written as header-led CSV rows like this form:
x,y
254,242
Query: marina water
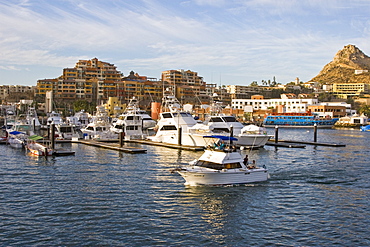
x,y
316,196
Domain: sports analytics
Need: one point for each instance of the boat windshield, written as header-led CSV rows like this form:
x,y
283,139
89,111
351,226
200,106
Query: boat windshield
x,y
217,166
229,119
216,119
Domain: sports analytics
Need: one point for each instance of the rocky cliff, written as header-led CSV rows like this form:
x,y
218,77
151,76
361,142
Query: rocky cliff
x,y
343,66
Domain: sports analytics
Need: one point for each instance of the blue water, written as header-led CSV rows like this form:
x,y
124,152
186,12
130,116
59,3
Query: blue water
x,y
317,196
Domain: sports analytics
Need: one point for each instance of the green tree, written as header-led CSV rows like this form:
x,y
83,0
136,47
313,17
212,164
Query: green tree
x,y
254,84
79,105
365,109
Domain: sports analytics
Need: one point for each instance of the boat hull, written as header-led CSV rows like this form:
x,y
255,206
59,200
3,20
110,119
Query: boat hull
x,y
224,177
328,126
38,149
254,141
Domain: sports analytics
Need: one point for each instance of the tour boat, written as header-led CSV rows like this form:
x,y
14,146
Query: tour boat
x,y
298,120
222,166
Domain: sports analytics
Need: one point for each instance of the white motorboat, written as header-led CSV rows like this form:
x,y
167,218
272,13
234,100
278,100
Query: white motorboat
x,y
250,136
174,123
32,118
65,132
82,118
223,166
17,139
38,149
100,126
131,126
54,118
253,136
134,109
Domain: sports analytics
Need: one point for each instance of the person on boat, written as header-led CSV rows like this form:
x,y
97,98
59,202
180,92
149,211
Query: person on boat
x,y
252,166
245,161
222,145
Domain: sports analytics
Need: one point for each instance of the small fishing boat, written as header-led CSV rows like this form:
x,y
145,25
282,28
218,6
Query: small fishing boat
x,y
365,128
17,139
36,148
222,165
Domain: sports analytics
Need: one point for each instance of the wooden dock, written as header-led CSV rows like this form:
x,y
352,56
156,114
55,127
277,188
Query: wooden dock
x,y
316,143
286,143
175,146
112,145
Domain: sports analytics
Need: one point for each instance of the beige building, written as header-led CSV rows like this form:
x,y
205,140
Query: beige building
x,y
344,90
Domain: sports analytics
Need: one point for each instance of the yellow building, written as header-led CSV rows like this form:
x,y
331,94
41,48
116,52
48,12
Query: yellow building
x,y
344,90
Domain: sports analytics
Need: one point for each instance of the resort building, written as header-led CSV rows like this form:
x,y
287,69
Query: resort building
x,y
289,105
344,90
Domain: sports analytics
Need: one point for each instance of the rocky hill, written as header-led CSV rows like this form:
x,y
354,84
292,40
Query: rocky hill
x,y
343,66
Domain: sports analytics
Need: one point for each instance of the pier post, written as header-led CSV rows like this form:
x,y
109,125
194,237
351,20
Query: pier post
x,y
52,135
179,131
276,133
121,137
315,133
231,134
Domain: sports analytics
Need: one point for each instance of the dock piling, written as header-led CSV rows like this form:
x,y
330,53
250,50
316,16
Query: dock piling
x,y
276,133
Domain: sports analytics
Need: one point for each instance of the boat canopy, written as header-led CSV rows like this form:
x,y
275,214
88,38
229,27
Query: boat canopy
x,y
16,132
35,138
223,138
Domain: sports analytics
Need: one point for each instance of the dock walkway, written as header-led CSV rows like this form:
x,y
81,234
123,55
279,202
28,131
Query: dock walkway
x,y
292,144
111,145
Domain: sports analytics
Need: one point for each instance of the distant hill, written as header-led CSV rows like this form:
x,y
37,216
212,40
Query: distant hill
x,y
343,66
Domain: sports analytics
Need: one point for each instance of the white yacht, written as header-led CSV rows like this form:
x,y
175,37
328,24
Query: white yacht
x,y
131,126
32,118
65,132
174,123
54,118
17,139
134,109
223,166
82,118
250,136
100,126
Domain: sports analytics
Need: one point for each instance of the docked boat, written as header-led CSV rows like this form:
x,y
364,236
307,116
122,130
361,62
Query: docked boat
x,y
131,126
65,132
36,148
253,136
222,166
365,128
174,123
298,120
100,126
54,118
17,139
32,118
250,136
81,118
133,109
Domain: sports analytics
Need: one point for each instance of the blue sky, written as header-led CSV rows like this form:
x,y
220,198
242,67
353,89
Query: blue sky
x,y
228,42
